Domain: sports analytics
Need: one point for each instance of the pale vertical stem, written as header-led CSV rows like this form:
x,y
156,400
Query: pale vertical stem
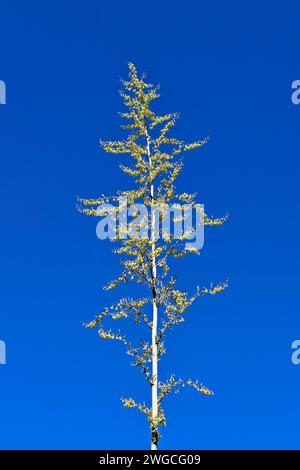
x,y
154,387
154,439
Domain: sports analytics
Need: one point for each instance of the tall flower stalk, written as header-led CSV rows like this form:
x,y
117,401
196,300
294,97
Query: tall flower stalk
x,y
155,162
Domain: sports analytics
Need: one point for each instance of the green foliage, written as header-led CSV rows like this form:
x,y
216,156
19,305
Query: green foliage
x,y
149,136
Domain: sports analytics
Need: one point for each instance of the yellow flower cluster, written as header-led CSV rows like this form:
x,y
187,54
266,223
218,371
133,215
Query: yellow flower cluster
x,y
156,163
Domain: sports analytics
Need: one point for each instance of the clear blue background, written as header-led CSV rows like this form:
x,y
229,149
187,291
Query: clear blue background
x,y
228,68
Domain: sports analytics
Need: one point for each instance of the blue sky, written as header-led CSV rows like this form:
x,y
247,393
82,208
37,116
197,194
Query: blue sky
x,y
228,68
